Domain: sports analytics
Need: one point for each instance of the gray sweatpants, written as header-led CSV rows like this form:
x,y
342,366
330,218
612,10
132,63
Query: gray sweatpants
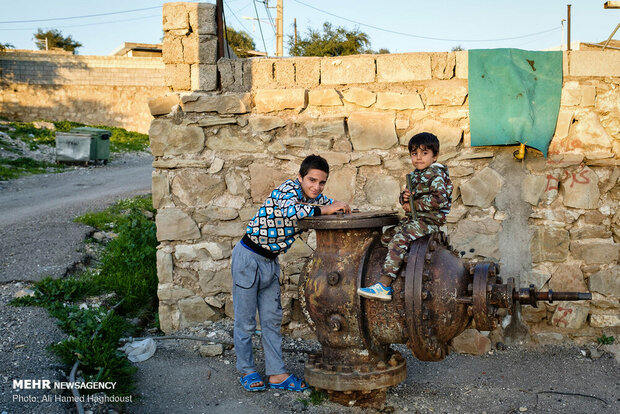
x,y
256,285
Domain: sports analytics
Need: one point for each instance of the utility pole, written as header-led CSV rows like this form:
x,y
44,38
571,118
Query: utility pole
x,y
219,10
280,28
568,28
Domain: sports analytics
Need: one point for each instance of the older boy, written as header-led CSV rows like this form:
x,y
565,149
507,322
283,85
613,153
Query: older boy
x,y
256,271
432,198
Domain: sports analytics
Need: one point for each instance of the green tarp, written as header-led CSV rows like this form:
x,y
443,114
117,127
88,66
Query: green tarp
x,y
514,96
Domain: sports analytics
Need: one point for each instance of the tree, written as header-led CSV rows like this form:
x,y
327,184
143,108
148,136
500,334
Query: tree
x,y
4,46
239,41
456,48
331,42
55,39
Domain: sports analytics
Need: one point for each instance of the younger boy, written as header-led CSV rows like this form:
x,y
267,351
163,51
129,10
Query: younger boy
x,y
256,271
432,198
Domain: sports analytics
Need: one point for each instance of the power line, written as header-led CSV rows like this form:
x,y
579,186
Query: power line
x,y
88,24
260,26
79,17
424,37
236,18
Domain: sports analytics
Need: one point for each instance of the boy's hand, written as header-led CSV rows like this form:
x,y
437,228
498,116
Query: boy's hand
x,y
335,207
406,196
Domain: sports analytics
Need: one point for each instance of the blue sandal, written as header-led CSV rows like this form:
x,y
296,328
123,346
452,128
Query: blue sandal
x,y
292,383
253,378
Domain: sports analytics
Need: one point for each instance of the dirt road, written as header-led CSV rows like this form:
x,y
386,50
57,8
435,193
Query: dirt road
x,y
37,235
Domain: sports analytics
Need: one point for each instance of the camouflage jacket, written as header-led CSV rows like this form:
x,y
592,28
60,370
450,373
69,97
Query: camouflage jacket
x,y
432,193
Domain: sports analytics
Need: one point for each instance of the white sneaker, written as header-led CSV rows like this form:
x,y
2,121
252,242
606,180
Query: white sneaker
x,y
376,291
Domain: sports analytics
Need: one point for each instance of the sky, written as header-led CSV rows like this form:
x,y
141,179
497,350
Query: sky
x,y
400,26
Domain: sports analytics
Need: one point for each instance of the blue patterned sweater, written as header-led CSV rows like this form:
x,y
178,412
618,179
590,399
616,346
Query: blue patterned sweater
x,y
274,227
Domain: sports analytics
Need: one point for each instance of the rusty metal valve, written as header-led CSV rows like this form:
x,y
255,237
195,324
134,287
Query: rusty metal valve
x,y
435,297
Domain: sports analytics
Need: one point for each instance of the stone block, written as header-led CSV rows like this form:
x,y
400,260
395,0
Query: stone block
x,y
360,96
446,93
471,342
207,50
195,188
180,163
590,232
440,66
403,67
298,250
372,130
569,315
341,184
264,123
263,179
462,64
366,159
234,74
477,238
226,103
175,16
398,101
166,138
172,49
567,277
175,224
202,18
532,188
335,159
325,128
262,73
586,135
177,76
160,189
168,318
580,189
481,190
211,350
549,245
202,215
195,310
347,69
606,282
284,73
538,278
382,191
594,63
214,120
549,338
163,105
170,293
565,120
164,266
269,100
324,97
234,229
214,282
598,320
449,136
202,251
203,77
595,251
307,71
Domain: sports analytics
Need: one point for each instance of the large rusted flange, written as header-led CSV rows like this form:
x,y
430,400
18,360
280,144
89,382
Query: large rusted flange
x,y
363,377
484,304
434,280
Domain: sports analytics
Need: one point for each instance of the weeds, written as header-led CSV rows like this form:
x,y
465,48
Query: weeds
x,y
316,398
605,340
127,282
25,166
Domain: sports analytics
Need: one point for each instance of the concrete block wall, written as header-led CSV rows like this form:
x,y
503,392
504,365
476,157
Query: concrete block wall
x,y
100,90
552,222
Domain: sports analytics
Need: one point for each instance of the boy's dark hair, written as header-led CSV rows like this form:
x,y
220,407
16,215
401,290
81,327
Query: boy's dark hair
x,y
313,162
426,140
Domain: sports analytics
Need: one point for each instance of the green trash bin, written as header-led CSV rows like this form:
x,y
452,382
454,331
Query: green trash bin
x,y
99,142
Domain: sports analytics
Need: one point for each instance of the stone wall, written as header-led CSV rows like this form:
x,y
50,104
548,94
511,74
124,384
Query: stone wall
x,y
552,222
104,90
